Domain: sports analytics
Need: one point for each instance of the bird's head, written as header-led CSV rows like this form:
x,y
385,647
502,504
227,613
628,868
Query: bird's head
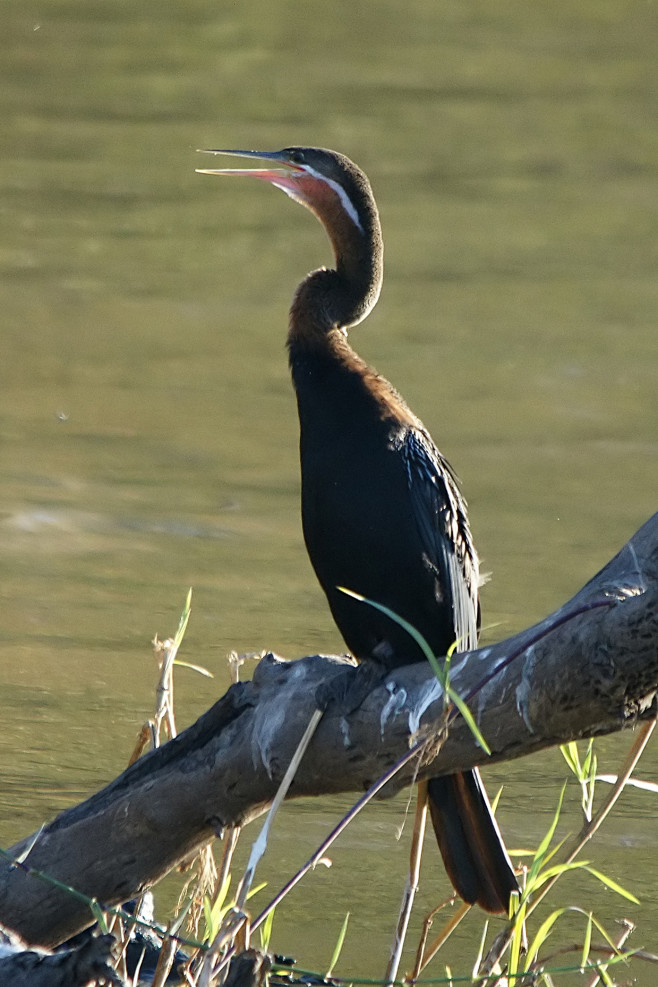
x,y
327,182
339,194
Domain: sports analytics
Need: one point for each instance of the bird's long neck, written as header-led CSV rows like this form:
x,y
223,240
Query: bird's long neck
x,y
329,377
335,299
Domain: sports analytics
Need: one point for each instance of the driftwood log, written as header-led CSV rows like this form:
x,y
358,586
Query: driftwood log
x,y
77,967
590,668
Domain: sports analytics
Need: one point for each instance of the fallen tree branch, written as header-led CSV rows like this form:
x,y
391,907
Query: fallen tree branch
x,y
77,967
589,669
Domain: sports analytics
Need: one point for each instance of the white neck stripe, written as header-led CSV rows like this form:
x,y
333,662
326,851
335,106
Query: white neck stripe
x,y
342,195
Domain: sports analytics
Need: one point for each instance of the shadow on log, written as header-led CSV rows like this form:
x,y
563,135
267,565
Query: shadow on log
x,y
590,668
21,967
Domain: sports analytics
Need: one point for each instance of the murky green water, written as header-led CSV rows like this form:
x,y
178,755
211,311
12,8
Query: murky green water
x,y
147,424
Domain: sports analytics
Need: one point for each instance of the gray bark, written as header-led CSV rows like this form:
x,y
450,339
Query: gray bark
x,y
22,967
590,668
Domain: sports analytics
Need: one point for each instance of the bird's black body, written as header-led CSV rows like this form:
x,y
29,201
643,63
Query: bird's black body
x,y
382,512
392,527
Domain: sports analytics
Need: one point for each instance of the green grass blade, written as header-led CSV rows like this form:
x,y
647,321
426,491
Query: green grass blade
x,y
409,628
542,934
587,942
468,716
439,670
605,976
182,623
548,873
265,931
338,948
517,940
99,915
588,759
570,754
213,911
256,888
223,892
609,883
545,843
210,930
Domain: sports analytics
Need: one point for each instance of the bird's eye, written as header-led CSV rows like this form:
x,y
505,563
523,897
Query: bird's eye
x,y
297,156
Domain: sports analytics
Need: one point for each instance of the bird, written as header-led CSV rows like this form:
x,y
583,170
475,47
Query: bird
x,y
382,511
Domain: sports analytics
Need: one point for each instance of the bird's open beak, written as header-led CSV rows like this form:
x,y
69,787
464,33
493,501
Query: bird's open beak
x,y
280,176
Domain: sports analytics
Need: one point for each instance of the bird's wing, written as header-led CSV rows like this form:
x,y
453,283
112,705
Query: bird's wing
x,y
440,513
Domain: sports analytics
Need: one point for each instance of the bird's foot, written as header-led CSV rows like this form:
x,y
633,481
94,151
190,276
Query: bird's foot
x,y
348,689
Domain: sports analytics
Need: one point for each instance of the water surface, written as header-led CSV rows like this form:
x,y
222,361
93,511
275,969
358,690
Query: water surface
x,y
147,424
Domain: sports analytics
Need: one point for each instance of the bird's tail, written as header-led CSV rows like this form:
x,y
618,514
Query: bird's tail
x,y
472,848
